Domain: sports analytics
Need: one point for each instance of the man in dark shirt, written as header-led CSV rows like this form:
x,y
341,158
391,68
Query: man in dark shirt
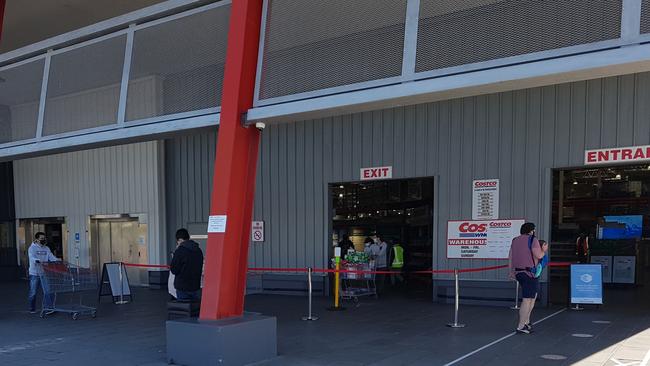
x,y
187,266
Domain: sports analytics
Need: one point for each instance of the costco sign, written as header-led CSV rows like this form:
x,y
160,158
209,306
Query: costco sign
x,y
488,239
617,155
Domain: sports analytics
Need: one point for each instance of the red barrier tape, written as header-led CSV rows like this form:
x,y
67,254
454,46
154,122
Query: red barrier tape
x,y
145,265
319,270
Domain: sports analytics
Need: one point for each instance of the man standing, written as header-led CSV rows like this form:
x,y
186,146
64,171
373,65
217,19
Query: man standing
x,y
525,254
38,253
379,251
187,266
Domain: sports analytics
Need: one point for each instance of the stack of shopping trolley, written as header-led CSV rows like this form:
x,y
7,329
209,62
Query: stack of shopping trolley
x,y
65,278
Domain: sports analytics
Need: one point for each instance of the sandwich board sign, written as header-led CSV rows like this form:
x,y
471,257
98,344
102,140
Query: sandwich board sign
x,y
587,284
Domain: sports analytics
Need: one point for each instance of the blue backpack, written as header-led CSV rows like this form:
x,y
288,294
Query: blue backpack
x,y
537,270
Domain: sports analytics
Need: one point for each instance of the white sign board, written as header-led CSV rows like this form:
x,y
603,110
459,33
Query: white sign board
x,y
380,172
482,239
257,231
485,199
217,224
624,269
606,262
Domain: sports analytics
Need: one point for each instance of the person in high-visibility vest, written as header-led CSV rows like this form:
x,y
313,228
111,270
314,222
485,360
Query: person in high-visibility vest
x,y
398,263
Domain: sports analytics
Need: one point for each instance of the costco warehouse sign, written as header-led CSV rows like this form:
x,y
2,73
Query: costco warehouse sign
x,y
486,239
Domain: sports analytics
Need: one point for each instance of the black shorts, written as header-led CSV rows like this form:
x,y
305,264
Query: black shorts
x,y
528,285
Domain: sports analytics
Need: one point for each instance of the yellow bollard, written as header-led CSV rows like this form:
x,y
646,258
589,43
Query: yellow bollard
x,y
337,281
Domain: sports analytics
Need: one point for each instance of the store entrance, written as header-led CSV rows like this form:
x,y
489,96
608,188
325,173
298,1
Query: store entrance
x,y
399,210
602,215
55,231
119,238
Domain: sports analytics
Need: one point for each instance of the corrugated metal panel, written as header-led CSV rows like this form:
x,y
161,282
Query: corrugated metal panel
x,y
123,179
189,165
515,136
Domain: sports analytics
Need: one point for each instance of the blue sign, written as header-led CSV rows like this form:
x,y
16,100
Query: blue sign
x,y
586,284
77,237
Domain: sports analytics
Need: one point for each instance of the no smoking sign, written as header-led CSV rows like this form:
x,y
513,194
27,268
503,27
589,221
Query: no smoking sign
x,y
257,231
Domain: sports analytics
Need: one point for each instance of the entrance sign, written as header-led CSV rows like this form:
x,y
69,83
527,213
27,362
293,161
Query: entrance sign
x,y
606,262
217,224
381,172
586,284
485,199
257,231
617,155
482,239
624,269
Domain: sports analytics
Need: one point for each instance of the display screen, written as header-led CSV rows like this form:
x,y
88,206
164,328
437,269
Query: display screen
x,y
621,227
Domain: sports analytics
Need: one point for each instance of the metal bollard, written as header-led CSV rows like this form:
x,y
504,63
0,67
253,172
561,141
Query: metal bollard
x,y
310,316
455,324
516,307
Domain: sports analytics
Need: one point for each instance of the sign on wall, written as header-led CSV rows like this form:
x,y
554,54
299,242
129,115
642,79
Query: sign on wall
x,y
586,284
481,239
217,223
606,262
380,172
617,155
485,199
624,269
257,231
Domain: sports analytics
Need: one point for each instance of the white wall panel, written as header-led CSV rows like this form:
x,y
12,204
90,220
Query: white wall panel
x,y
126,179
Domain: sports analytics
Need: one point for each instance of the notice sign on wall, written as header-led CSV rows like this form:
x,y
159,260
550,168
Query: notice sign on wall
x,y
485,199
257,231
617,155
217,223
380,172
481,239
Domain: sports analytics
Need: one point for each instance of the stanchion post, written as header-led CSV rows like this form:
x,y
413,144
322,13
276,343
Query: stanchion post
x,y
455,324
122,301
516,307
309,284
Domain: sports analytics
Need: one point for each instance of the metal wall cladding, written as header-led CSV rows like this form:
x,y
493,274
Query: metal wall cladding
x,y
84,87
124,179
185,59
453,33
645,16
20,92
316,45
189,167
516,136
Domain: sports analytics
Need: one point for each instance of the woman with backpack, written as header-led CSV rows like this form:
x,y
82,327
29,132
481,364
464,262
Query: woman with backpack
x,y
525,257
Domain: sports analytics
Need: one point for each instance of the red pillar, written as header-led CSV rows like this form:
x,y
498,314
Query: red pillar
x,y
2,15
233,185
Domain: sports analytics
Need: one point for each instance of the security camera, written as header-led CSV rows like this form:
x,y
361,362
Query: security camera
x,y
260,126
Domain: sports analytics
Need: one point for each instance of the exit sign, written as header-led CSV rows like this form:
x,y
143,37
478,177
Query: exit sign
x,y
381,172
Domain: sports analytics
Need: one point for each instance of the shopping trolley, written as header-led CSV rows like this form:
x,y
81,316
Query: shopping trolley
x,y
355,285
61,278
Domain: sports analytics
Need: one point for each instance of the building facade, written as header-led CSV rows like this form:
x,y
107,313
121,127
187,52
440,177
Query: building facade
x,y
112,133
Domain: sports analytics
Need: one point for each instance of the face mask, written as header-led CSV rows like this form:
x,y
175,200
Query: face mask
x,y
42,241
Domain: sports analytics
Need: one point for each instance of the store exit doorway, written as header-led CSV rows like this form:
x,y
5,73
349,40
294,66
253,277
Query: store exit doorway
x,y
401,211
602,215
119,238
